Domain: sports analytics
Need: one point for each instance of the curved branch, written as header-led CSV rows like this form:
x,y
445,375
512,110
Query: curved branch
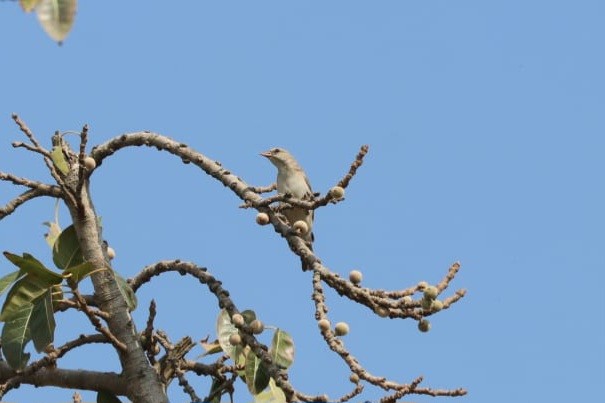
x,y
337,345
392,303
186,153
12,205
82,340
224,301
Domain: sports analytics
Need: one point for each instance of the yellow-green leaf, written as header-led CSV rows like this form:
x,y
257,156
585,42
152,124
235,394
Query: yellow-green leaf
x,y
56,17
79,272
273,394
28,5
8,280
59,158
282,349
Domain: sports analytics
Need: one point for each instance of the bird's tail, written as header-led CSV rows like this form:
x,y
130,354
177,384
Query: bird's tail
x,y
309,241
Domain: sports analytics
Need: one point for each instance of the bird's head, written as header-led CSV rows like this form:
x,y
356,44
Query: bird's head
x,y
279,157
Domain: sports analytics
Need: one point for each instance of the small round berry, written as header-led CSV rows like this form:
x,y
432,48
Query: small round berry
x,y
111,253
301,227
89,163
341,329
382,312
235,339
354,378
262,219
431,292
323,324
436,305
355,276
425,303
407,300
337,192
237,319
422,285
257,326
424,325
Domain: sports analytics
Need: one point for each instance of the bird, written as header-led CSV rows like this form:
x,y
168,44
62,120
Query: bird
x,y
292,180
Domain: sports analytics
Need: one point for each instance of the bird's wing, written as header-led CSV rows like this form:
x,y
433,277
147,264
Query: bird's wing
x,y
309,194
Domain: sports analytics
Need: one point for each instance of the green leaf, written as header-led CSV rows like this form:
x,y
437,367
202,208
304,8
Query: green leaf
x,y
127,293
257,376
56,17
273,394
224,329
8,280
66,250
106,397
34,267
15,335
249,315
57,153
282,349
241,362
79,272
23,293
43,322
28,5
215,385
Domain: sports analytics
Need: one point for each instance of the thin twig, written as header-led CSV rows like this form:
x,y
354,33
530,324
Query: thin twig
x,y
344,182
50,190
81,165
264,189
23,127
35,149
12,205
94,320
80,341
147,334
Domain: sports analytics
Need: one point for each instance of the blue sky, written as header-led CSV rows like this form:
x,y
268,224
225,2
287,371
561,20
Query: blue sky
x,y
485,122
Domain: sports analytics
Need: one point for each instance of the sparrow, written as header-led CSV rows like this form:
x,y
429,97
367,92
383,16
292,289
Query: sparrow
x,y
292,180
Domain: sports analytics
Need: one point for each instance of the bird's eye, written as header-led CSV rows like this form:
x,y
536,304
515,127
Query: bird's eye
x,y
275,150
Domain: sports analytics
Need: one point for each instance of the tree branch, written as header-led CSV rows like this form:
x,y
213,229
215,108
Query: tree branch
x,y
224,301
48,190
12,205
69,379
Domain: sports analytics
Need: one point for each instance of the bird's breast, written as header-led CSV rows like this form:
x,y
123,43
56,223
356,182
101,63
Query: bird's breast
x,y
292,184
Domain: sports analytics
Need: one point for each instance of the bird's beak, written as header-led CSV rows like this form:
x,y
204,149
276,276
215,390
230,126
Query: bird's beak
x,y
266,154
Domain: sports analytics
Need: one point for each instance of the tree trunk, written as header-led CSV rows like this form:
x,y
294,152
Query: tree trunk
x,y
144,385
